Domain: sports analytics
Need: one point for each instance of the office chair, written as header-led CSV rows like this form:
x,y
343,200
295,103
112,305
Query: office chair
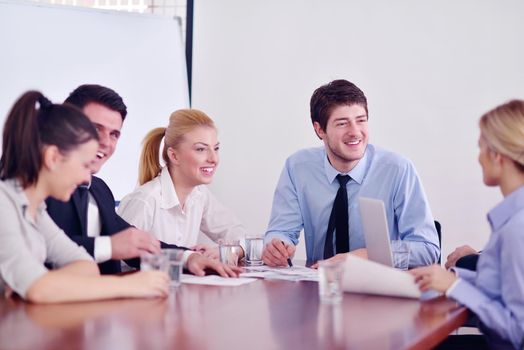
x,y
468,262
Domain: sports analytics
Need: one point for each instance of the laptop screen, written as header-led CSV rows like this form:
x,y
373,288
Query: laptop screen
x,y
376,232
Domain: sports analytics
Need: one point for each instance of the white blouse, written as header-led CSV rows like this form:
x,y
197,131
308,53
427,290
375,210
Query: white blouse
x,y
154,207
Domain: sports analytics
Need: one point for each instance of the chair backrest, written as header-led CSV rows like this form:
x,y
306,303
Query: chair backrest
x,y
439,232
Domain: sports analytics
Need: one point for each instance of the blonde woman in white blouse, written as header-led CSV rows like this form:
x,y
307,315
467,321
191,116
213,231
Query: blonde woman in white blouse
x,y
173,201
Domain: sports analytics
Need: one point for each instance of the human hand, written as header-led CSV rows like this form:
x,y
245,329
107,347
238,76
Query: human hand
x,y
207,250
361,253
457,254
197,263
131,242
433,277
277,252
147,284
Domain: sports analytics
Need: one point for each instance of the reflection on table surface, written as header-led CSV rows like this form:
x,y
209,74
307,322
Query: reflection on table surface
x,y
260,315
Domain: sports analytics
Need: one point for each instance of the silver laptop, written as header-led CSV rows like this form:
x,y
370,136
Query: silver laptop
x,y
376,232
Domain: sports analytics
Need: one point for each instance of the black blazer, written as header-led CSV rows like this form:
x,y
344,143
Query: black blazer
x,y
73,220
70,218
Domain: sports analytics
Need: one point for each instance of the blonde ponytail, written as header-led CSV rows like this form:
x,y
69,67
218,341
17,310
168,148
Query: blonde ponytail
x,y
149,166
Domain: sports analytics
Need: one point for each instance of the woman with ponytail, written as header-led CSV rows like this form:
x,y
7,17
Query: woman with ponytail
x,y
48,150
173,202
495,292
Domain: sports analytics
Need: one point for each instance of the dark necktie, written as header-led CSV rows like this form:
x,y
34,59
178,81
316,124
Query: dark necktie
x,y
83,200
338,221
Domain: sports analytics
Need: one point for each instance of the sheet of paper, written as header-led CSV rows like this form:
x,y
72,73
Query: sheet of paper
x,y
295,273
365,276
213,280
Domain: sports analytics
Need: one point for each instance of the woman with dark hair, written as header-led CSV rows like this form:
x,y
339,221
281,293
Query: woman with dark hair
x,y
495,292
47,150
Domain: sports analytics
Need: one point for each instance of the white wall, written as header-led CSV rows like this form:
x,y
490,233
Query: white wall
x,y
56,48
429,70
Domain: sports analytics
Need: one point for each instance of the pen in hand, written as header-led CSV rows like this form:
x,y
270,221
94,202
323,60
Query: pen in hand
x,y
288,259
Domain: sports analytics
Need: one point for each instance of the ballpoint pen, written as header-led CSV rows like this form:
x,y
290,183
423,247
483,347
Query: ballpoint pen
x,y
288,259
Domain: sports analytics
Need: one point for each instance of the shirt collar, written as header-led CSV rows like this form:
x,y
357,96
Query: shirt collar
x,y
357,173
86,185
511,204
168,197
21,197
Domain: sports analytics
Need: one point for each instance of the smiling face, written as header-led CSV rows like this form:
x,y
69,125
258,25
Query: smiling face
x,y
195,159
108,123
70,170
346,136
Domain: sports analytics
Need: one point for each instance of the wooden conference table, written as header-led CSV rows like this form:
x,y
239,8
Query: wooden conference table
x,y
266,314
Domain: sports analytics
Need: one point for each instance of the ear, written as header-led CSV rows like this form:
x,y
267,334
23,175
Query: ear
x,y
51,157
319,131
505,161
173,156
496,157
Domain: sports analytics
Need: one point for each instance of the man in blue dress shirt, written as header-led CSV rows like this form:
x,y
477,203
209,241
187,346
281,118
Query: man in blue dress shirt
x,y
308,185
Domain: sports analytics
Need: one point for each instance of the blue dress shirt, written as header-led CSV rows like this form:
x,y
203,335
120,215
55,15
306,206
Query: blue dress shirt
x,y
307,188
495,292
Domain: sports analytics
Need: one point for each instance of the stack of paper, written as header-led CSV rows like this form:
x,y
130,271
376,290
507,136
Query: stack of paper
x,y
365,276
213,280
295,273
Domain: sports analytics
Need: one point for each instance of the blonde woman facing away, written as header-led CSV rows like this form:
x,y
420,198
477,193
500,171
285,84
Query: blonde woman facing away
x,y
173,202
495,292
48,150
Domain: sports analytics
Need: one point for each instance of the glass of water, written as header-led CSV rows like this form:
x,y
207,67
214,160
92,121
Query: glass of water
x,y
151,262
230,251
330,281
174,258
254,248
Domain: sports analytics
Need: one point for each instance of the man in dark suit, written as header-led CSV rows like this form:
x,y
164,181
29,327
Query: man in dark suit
x,y
89,218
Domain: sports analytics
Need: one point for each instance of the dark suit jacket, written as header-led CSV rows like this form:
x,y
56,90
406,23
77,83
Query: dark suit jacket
x,y
68,217
73,220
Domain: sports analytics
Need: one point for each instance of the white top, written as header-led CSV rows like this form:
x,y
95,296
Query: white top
x,y
155,207
103,249
25,244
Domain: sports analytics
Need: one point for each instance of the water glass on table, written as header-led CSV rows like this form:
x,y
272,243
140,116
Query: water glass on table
x,y
174,265
230,251
254,248
330,281
400,250
168,260
152,262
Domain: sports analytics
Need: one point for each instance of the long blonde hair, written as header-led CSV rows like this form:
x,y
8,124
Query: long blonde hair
x,y
180,123
503,129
